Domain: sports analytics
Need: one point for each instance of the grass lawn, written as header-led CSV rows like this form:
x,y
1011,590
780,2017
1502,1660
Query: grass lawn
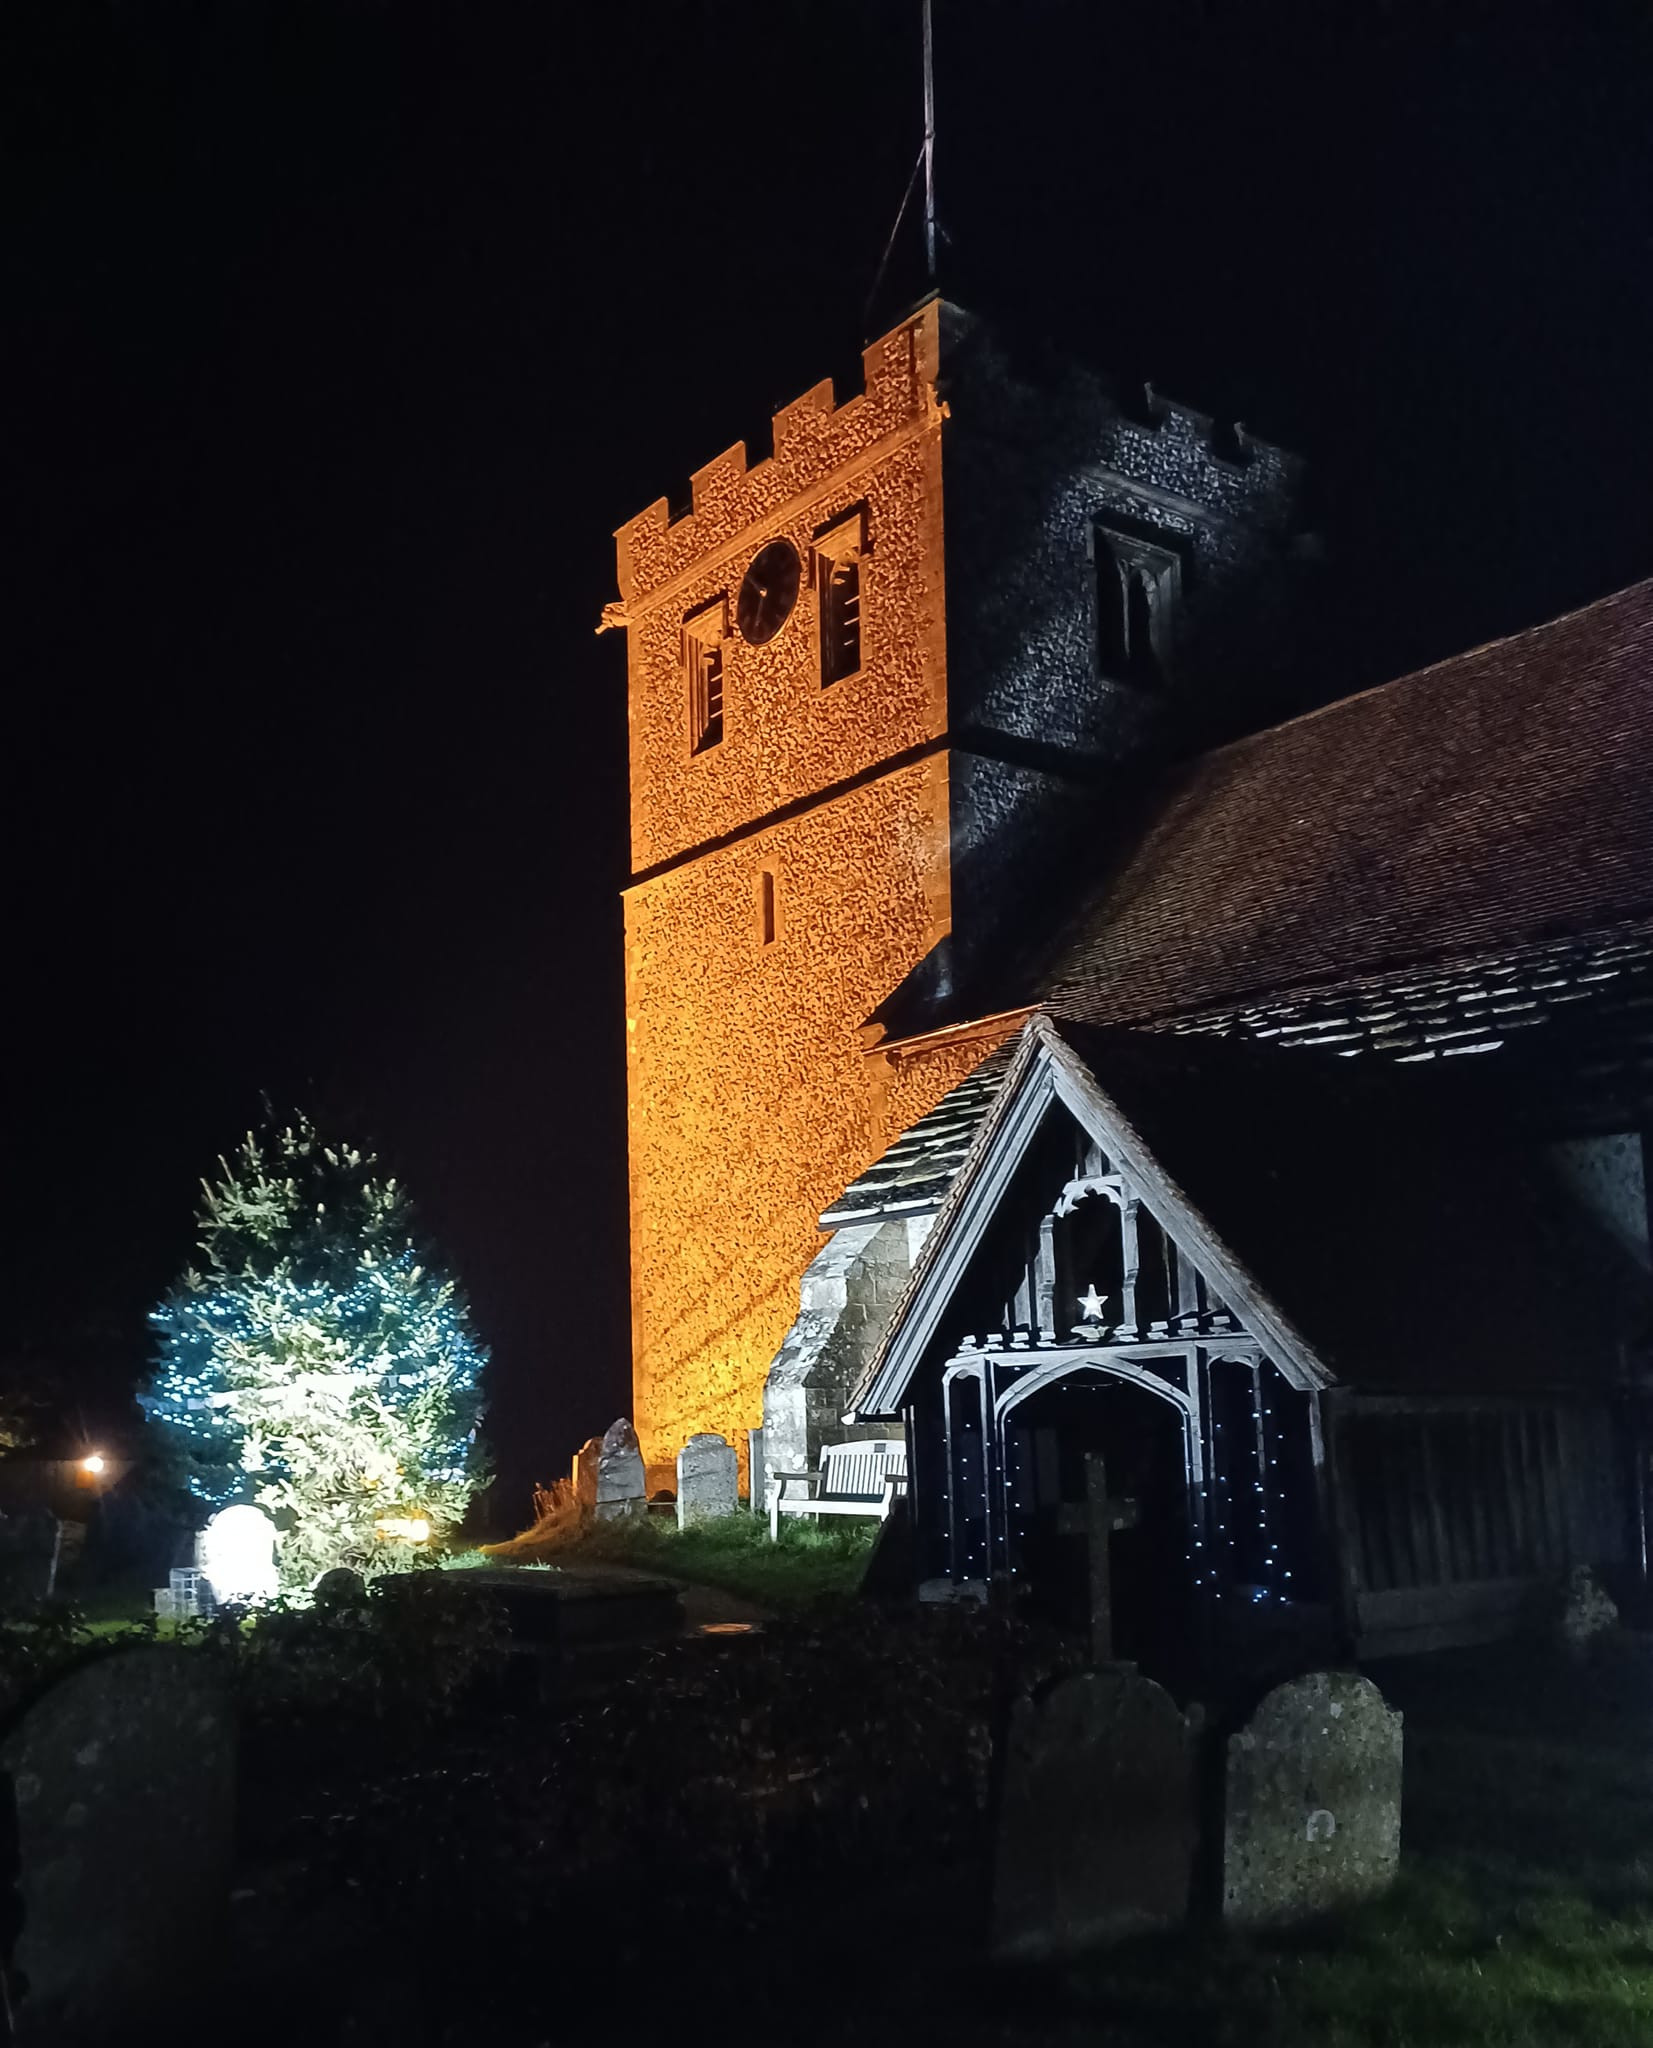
x,y
804,1801
1524,1915
807,1565
806,1805
1453,1956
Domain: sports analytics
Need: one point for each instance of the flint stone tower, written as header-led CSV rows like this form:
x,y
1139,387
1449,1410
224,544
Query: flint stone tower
x,y
885,687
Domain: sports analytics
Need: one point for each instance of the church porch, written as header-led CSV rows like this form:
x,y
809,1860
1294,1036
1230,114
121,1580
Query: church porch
x,y
1216,1355
1161,1496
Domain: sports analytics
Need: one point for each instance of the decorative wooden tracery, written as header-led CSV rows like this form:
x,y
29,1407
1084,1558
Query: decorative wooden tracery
x,y
1128,1304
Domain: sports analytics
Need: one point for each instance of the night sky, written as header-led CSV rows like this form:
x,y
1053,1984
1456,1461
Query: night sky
x,y
341,336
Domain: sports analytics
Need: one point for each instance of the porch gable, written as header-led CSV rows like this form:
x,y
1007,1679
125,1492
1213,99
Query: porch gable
x,y
1195,1288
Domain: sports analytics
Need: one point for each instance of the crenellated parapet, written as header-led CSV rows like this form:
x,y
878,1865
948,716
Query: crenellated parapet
x,y
1054,414
814,437
1226,468
1152,440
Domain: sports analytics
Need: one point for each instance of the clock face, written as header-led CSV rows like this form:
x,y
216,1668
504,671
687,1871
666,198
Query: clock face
x,y
768,592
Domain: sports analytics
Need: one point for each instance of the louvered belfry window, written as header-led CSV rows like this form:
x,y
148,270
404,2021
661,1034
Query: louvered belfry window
x,y
1138,591
703,637
838,557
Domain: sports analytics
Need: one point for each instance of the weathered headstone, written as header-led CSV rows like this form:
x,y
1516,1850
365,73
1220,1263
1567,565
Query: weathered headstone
x,y
1311,1808
340,1586
1588,1613
620,1481
708,1480
1097,1828
586,1461
238,1556
124,1780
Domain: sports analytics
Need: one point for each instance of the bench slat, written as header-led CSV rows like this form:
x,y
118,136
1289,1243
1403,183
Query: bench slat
x,y
854,1479
858,1471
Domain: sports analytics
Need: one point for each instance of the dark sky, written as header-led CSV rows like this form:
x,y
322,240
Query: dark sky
x,y
340,336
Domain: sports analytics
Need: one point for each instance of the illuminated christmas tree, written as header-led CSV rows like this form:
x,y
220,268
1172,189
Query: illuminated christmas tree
x,y
315,1363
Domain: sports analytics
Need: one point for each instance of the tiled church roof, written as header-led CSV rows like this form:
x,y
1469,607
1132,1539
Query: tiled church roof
x,y
1599,985
1408,1246
917,1170
1428,869
1494,800
1393,1250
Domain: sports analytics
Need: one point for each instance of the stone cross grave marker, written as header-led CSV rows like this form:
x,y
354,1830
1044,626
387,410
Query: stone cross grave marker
x,y
1097,1826
620,1477
708,1480
1097,1518
1311,1806
124,1776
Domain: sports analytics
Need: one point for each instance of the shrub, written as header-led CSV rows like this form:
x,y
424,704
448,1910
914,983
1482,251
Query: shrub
x,y
409,1649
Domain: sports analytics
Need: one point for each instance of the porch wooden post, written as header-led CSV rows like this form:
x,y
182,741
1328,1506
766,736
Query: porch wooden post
x,y
989,1467
1045,1306
1131,1258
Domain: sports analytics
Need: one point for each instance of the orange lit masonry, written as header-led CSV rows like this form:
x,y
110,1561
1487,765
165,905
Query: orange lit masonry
x,y
751,1099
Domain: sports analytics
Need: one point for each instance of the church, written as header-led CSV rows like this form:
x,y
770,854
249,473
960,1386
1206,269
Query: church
x,y
1199,1111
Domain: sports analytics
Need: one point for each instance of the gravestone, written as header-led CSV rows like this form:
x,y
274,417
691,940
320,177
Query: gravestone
x,y
238,1556
1588,1613
586,1461
340,1587
708,1480
1097,1825
124,1777
1311,1806
620,1483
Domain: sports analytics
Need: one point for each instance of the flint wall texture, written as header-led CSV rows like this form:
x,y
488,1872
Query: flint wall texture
x,y
918,817
910,1084
1037,453
748,1105
785,737
749,1110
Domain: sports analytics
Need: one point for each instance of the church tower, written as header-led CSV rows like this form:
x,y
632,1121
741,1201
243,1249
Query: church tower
x,y
860,744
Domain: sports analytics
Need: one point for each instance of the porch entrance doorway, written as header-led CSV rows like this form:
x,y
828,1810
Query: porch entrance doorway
x,y
1099,1459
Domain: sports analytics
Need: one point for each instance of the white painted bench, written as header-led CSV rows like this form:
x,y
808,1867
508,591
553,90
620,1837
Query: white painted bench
x,y
864,1478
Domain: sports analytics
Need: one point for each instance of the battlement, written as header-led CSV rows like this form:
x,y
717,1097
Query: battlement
x,y
1062,416
1230,446
815,436
942,349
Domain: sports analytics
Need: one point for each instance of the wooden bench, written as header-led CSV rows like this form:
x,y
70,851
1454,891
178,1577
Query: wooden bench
x,y
864,1478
